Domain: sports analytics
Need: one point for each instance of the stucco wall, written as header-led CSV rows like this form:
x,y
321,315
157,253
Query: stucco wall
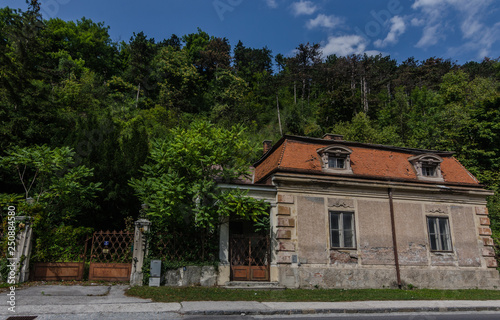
x,y
374,232
305,259
376,277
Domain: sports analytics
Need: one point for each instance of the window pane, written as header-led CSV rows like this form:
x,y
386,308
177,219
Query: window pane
x,y
433,243
347,221
340,163
443,228
444,242
335,217
335,238
331,162
348,239
447,243
428,171
445,234
430,222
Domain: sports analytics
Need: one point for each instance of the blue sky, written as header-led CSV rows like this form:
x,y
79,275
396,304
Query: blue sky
x,y
460,30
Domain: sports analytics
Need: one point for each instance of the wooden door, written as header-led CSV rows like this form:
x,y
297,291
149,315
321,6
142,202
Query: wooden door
x,y
250,257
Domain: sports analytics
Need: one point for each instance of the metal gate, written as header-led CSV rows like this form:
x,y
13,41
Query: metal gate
x,y
250,257
111,256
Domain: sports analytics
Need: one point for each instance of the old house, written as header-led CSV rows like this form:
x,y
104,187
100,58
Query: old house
x,y
354,215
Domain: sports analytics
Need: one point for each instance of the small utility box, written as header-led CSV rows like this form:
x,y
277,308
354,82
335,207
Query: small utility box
x,y
155,270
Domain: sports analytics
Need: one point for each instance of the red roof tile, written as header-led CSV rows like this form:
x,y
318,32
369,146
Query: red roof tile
x,y
301,154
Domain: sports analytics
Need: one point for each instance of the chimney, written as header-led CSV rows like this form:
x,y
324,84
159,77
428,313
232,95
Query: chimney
x,y
267,145
330,136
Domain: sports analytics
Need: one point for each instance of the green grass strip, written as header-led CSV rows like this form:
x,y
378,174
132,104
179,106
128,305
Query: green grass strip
x,y
178,294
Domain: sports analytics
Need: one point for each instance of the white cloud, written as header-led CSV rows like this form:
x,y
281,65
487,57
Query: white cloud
x,y
430,36
481,45
471,15
272,4
417,22
324,21
346,45
303,8
398,27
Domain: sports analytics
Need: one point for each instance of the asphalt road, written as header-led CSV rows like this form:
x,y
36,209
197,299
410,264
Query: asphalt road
x,y
175,316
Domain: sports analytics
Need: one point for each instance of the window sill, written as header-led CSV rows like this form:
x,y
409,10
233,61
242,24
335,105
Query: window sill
x,y
441,252
425,178
334,170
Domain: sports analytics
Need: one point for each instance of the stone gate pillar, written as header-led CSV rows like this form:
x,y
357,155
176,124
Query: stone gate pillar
x,y
224,265
23,248
140,251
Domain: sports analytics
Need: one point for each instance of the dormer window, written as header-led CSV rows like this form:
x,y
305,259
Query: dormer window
x,y
427,167
336,158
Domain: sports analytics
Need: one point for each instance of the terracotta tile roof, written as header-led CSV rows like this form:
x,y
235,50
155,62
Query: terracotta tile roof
x,y
300,154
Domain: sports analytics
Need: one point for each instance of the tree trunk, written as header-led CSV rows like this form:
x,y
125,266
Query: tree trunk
x,y
279,119
364,94
294,92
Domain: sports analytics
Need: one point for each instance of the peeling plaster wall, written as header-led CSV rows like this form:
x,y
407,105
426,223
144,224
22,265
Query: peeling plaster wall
x,y
375,240
305,259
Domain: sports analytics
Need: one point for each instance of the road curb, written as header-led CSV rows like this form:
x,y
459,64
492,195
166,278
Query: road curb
x,y
339,310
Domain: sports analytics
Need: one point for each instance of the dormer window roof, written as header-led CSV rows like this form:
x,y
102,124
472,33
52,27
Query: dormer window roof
x,y
427,166
336,158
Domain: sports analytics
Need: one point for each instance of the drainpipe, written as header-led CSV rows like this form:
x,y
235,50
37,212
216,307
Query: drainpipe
x,y
394,242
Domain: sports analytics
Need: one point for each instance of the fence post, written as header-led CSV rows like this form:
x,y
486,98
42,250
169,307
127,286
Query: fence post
x,y
23,248
140,251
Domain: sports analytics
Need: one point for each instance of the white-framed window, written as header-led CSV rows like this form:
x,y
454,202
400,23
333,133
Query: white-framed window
x,y
439,233
342,230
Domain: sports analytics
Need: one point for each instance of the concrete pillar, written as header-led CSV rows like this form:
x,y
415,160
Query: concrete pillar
x,y
23,248
140,251
224,266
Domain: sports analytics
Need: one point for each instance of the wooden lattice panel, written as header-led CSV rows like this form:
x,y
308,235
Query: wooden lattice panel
x,y
112,247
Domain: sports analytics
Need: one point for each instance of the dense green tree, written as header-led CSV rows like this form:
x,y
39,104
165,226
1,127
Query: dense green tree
x,y
178,81
60,189
174,41
216,56
249,61
194,44
83,39
179,184
139,67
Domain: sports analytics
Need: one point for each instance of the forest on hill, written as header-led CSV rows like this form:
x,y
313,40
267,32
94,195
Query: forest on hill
x,y
70,94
